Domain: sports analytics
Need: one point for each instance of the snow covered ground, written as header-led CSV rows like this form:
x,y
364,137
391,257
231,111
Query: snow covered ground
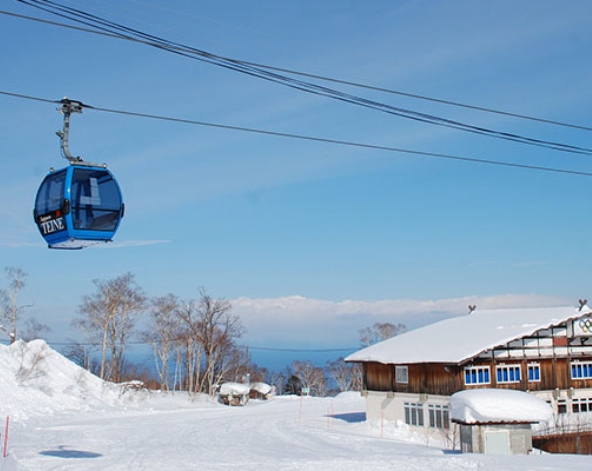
x,y
62,418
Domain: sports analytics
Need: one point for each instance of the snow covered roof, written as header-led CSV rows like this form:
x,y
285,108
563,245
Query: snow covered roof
x,y
460,338
235,389
261,388
483,406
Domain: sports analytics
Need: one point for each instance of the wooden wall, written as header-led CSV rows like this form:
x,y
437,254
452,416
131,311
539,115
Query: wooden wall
x,y
442,379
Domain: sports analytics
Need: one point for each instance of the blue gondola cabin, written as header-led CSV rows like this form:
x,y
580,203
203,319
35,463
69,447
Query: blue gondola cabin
x,y
78,206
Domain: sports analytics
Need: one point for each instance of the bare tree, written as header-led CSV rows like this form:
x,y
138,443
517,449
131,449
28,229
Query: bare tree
x,y
311,377
130,305
188,345
81,355
347,376
109,316
276,379
218,331
257,373
215,329
378,332
96,313
34,330
10,309
233,366
163,330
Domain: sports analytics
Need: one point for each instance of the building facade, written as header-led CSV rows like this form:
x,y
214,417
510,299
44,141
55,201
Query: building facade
x,y
547,352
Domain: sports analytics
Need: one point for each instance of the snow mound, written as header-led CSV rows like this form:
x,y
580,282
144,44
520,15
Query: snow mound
x,y
498,405
35,380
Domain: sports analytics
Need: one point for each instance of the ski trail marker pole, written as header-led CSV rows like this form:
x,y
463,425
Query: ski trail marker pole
x,y
4,452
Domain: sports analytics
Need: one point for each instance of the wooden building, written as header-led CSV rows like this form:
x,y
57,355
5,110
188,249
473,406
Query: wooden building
x,y
545,351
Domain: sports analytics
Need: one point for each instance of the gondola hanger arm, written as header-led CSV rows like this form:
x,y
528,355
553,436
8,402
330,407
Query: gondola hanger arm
x,y
68,107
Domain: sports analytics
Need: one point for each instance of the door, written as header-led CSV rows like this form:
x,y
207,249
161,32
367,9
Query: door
x,y
496,443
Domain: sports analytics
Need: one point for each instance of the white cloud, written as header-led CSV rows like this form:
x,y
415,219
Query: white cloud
x,y
296,321
531,263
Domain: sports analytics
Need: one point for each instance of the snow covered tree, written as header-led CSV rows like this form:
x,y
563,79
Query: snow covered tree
x,y
109,317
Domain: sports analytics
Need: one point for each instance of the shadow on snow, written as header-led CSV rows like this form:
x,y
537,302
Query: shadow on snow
x,y
350,417
61,452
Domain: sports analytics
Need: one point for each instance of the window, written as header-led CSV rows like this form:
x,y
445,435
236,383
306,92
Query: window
x,y
581,404
581,370
401,374
534,372
96,200
414,414
439,416
508,373
477,375
561,406
50,196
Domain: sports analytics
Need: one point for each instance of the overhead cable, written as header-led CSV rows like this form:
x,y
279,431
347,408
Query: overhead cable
x,y
331,79
311,138
250,347
124,32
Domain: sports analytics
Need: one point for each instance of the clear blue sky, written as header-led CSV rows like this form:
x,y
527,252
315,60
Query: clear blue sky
x,y
262,218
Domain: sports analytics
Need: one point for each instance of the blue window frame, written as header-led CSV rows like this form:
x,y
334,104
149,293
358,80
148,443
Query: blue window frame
x,y
534,372
477,375
508,373
581,370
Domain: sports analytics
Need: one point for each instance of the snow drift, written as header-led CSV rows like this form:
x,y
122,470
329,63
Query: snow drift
x,y
35,380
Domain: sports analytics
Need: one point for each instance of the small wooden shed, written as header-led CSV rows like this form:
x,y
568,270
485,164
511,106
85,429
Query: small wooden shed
x,y
497,421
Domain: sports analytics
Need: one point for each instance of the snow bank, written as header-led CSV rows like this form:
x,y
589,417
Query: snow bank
x,y
498,405
35,380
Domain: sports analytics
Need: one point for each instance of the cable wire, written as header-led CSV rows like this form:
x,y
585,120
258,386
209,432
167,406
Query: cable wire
x,y
426,98
299,350
331,79
250,347
310,138
124,32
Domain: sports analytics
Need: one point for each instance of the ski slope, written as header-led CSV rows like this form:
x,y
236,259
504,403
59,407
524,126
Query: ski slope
x,y
94,426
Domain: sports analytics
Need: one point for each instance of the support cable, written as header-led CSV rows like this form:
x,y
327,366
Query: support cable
x,y
125,32
312,138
